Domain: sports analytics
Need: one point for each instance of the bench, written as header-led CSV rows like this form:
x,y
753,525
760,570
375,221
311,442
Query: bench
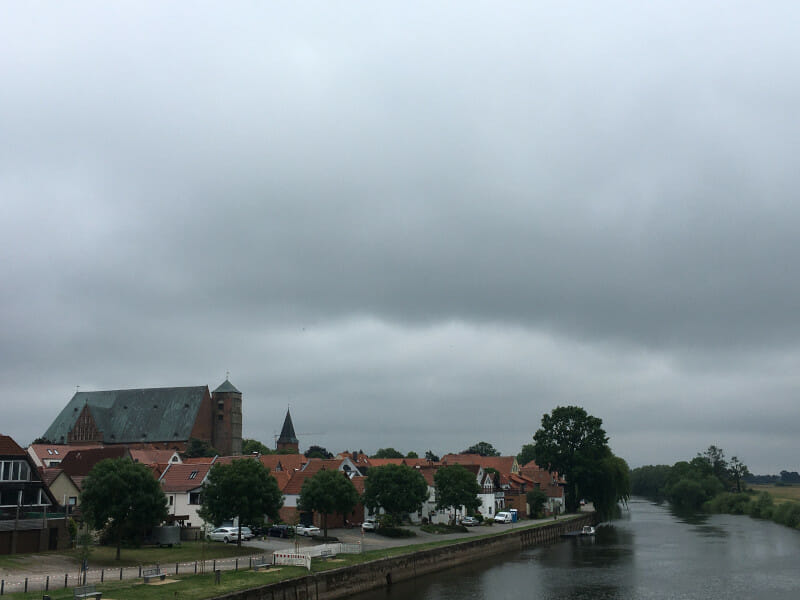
x,y
85,591
260,562
153,573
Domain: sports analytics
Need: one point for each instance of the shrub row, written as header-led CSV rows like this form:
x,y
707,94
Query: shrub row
x,y
760,506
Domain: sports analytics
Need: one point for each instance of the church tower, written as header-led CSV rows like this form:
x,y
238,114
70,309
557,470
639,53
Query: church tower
x,y
226,407
288,439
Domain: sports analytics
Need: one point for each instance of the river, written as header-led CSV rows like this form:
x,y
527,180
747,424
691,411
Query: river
x,y
650,553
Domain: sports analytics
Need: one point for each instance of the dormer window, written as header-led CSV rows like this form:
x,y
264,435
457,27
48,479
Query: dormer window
x,y
193,474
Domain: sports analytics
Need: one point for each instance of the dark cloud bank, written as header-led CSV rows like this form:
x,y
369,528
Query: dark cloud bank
x,y
419,229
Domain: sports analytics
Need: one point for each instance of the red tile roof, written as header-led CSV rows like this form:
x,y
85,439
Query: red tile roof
x,y
502,464
152,457
183,477
9,447
80,462
50,474
58,451
199,460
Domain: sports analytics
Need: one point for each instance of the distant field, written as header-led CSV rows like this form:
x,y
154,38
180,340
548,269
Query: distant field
x,y
780,493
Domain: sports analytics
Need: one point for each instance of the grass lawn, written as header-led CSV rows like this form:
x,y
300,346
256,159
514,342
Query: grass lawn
x,y
779,493
103,556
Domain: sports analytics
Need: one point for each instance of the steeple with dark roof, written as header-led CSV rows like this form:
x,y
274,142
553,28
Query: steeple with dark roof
x,y
288,439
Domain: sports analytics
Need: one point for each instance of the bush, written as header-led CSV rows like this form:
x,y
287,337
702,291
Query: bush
x,y
433,528
762,507
395,532
730,503
787,514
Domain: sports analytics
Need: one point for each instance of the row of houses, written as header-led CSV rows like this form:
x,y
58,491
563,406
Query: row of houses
x,y
44,482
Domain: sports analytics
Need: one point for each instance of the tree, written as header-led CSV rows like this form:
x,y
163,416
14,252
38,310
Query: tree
x,y
571,442
456,487
718,466
124,497
482,448
243,489
254,447
318,452
526,454
387,453
429,455
536,500
328,492
412,454
397,489
197,448
737,471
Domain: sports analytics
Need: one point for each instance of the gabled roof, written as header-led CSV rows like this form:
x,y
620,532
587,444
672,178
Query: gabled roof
x,y
502,464
126,416
287,432
78,463
8,447
50,474
48,452
380,462
286,462
226,460
199,460
183,477
282,477
153,457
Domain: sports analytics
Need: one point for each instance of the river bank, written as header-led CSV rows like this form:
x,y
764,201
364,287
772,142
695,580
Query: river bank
x,y
346,581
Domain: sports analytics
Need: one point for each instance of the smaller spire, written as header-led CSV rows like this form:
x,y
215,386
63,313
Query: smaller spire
x,y
287,433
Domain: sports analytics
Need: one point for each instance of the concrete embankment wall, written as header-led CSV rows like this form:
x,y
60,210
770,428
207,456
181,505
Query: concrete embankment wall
x,y
344,582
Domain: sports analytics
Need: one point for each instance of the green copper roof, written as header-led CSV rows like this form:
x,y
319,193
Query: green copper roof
x,y
287,433
227,386
141,415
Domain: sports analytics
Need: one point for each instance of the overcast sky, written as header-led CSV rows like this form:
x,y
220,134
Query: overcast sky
x,y
419,225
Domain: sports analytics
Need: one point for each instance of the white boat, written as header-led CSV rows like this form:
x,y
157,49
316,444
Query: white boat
x,y
587,530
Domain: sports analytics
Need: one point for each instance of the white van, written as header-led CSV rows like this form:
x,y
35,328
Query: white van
x,y
502,517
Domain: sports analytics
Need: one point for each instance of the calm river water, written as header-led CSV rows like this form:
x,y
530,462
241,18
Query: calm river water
x,y
648,554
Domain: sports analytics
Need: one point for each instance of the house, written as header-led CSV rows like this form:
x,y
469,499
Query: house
x,y
183,487
293,484
168,417
30,520
51,455
63,489
550,483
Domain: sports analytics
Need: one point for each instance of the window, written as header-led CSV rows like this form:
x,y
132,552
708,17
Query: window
x,y
171,499
73,500
194,498
220,417
14,470
193,474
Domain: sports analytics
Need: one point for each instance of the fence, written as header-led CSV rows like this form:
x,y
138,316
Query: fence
x,y
291,559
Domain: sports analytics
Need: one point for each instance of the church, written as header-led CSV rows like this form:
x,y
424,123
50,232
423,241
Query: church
x,y
166,417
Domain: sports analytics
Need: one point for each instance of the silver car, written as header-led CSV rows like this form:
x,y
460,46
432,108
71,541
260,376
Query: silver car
x,y
306,530
224,534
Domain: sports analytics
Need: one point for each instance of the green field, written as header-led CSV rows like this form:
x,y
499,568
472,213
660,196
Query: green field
x,y
779,493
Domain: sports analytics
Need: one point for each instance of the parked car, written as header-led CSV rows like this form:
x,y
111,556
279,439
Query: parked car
x,y
224,534
469,522
503,517
247,533
281,531
306,530
369,525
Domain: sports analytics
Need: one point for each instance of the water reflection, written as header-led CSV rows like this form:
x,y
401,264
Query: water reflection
x,y
650,553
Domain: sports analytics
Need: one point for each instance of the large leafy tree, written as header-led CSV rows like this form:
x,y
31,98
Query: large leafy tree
x,y
387,453
397,489
737,471
482,448
198,448
124,497
573,443
526,454
243,489
318,452
456,487
250,446
328,492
